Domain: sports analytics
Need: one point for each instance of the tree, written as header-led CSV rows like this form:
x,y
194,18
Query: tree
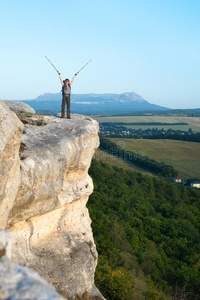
x,y
114,284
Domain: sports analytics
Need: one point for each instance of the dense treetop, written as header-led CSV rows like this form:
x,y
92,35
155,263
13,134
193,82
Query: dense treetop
x,y
147,234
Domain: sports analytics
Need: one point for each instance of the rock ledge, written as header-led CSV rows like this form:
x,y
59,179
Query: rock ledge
x,y
47,215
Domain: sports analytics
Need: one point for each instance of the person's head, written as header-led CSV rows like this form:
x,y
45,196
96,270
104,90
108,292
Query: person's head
x,y
67,81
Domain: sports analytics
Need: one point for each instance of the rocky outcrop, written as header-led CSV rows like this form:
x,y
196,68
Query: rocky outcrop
x,y
10,138
18,282
47,215
20,106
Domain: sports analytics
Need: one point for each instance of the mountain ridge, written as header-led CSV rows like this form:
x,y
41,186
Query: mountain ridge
x,y
126,97
111,103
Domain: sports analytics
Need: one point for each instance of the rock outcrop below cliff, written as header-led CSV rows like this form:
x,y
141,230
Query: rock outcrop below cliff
x,y
18,282
46,210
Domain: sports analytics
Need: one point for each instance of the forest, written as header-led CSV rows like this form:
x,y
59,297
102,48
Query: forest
x,y
147,233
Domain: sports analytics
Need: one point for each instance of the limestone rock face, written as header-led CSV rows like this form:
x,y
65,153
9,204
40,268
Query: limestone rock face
x,y
47,215
10,138
18,282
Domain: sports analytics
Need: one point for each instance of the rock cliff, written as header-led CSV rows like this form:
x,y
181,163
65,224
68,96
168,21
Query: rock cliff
x,y
19,282
45,187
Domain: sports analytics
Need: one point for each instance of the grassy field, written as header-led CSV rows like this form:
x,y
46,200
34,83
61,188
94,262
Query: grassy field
x,y
193,122
183,156
117,162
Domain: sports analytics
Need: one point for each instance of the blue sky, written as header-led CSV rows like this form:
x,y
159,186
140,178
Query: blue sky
x,y
150,47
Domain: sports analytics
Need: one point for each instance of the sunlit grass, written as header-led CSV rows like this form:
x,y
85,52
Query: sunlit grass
x,y
183,156
117,162
193,122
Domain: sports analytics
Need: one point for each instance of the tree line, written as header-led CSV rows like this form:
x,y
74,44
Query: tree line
x,y
144,162
118,130
189,137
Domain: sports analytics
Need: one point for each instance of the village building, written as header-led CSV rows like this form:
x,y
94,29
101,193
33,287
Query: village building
x,y
195,184
177,180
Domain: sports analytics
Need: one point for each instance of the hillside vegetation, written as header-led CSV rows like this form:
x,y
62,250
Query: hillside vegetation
x,y
139,159
183,156
117,162
147,234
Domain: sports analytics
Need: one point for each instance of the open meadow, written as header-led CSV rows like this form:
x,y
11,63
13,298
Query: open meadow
x,y
117,162
183,156
193,122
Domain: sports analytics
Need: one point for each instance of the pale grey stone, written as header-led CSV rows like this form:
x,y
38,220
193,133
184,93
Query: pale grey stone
x,y
18,282
10,137
21,106
43,197
50,221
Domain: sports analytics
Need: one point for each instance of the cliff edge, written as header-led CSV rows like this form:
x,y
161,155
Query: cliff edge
x,y
45,187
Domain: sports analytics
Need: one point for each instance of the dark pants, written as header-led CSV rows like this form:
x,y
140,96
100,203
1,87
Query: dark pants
x,y
66,99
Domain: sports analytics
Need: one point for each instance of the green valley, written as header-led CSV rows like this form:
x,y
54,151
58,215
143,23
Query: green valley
x,y
147,235
146,229
190,122
182,155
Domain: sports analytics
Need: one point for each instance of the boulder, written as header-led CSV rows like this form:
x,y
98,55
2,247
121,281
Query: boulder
x,y
18,282
19,106
10,138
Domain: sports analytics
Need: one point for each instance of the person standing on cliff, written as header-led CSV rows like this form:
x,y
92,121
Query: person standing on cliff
x,y
66,93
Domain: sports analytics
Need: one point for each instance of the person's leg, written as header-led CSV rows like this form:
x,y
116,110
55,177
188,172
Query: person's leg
x,y
63,107
68,107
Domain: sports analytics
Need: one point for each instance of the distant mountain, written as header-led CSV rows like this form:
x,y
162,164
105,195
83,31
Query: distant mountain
x,y
125,97
95,103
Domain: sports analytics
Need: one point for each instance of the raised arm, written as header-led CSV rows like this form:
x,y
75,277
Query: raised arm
x,y
60,79
73,78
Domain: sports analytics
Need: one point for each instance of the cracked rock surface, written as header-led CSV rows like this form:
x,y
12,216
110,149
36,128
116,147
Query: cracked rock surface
x,y
47,215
